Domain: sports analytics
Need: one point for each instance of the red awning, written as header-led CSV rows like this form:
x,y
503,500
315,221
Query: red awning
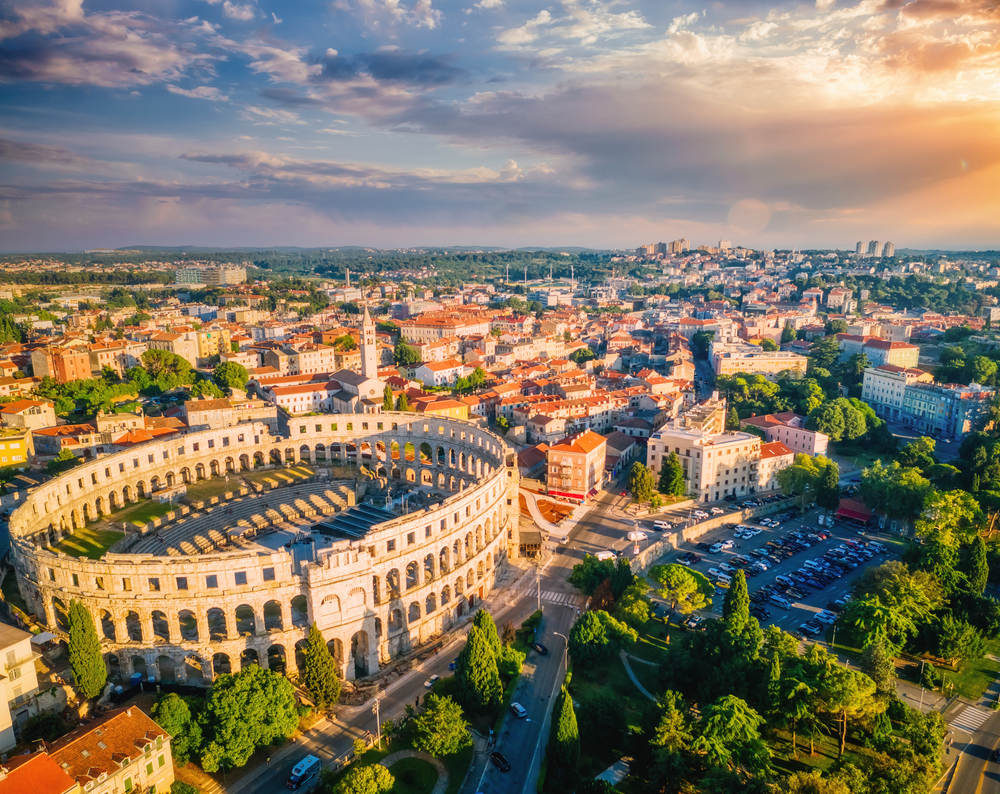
x,y
854,515
579,496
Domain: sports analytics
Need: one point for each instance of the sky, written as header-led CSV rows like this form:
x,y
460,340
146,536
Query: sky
x,y
599,123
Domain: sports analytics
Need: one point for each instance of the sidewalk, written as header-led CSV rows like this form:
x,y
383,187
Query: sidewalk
x,y
558,533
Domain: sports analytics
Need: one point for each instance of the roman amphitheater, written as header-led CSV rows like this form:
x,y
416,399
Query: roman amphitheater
x,y
213,587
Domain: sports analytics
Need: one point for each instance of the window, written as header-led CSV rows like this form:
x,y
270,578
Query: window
x,y
160,761
211,443
149,768
211,581
76,580
182,583
302,430
333,427
411,538
121,468
269,574
52,574
15,673
225,441
154,584
128,784
99,582
151,458
166,454
390,545
196,446
107,472
427,532
350,425
127,585
241,577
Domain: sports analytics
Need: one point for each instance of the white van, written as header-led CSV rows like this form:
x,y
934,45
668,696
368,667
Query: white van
x,y
518,710
305,775
721,576
662,526
605,555
780,601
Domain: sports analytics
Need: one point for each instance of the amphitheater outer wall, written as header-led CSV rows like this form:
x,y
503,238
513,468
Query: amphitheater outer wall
x,y
190,617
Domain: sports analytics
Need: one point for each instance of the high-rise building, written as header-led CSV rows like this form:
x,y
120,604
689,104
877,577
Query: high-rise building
x,y
888,250
213,275
874,248
860,248
680,246
725,245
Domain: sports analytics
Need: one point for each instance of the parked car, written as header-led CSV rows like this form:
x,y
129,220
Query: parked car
x,y
727,544
717,511
500,762
827,617
810,629
692,622
725,566
794,592
636,535
518,710
453,663
540,649
432,681
700,514
760,612
703,546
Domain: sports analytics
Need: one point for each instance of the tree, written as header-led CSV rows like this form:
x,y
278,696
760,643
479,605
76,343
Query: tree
x,y
730,736
732,419
250,709
957,640
404,354
370,779
846,694
388,402
85,657
736,605
824,353
441,729
828,492
701,342
641,483
769,345
64,461
173,714
978,568
484,620
509,635
633,605
788,334
803,477
672,476
596,636
813,783
828,419
477,676
320,677
563,749
900,491
231,375
587,575
981,370
402,403
206,388
676,585
877,664
919,453
797,705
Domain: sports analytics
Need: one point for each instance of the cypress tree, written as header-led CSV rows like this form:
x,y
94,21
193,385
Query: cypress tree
x,y
476,673
402,404
736,606
564,737
484,620
320,676
671,476
774,685
979,569
387,401
85,657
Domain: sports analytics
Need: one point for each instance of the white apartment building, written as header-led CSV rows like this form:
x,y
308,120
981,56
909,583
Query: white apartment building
x,y
730,359
18,686
715,464
884,388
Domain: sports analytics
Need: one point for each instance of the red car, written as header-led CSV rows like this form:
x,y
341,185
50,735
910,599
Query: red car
x,y
624,493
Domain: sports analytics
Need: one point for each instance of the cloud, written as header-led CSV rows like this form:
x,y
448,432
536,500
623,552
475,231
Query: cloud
x,y
527,33
269,116
488,5
201,92
420,14
39,153
237,11
394,66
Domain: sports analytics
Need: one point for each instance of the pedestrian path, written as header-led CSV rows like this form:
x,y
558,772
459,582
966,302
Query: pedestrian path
x,y
441,786
563,599
970,718
628,669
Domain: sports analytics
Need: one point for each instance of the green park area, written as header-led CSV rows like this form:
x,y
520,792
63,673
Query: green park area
x,y
89,542
282,477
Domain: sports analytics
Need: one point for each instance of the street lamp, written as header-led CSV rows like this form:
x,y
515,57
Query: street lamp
x,y
565,650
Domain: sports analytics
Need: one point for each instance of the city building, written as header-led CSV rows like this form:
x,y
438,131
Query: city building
x,y
36,773
576,466
774,457
948,411
884,388
211,275
18,685
789,429
730,359
62,363
16,446
440,373
28,414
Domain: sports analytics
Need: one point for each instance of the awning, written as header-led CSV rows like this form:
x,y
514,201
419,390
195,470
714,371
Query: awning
x,y
854,515
579,496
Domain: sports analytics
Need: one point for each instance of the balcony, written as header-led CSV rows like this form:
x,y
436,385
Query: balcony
x,y
29,659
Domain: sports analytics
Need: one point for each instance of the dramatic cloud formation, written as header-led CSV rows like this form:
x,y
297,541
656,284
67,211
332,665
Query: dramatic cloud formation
x,y
592,122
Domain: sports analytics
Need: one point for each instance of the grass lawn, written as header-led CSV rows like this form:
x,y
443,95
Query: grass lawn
x,y
89,543
822,760
457,764
413,776
142,512
652,645
973,677
205,489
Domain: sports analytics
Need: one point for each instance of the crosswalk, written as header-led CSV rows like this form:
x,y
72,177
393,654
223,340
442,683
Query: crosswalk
x,y
563,599
970,718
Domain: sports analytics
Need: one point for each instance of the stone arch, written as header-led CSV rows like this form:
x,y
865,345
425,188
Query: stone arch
x,y
470,578
468,545
357,597
331,603
426,478
300,653
214,468
189,625
199,471
392,584
445,595
430,604
289,454
170,479
461,461
359,653
426,454
395,474
107,624
479,570
336,648
300,610
365,450
126,494
245,464
161,629
394,449
441,459
395,620
272,617
186,475
133,626
443,561
412,575
321,448
249,657
413,613
457,551
459,586
154,483
410,452
276,659
411,475
140,489
113,501
194,668
114,667
452,457
440,480
258,459
429,568
275,456
217,629
139,666
87,515
61,613
165,667
246,621
230,465
221,665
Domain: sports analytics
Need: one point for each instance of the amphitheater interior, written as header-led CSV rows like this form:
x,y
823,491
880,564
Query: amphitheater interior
x,y
383,561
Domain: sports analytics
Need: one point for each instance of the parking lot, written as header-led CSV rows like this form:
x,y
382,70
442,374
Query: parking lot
x,y
810,600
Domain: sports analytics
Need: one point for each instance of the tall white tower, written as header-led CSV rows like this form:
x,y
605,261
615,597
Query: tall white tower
x,y
369,348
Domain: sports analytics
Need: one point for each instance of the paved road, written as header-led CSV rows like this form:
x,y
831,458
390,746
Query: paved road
x,y
977,773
